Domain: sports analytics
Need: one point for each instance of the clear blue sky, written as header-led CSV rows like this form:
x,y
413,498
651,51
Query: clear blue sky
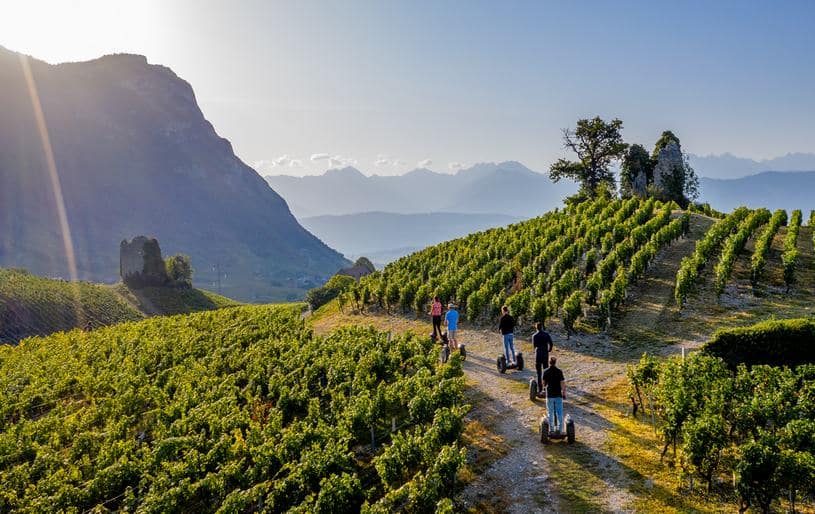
x,y
457,82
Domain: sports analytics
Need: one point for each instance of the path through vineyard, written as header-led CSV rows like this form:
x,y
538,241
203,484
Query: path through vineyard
x,y
509,469
531,477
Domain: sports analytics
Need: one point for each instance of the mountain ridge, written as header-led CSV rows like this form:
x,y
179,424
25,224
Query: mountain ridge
x,y
507,188
135,155
727,165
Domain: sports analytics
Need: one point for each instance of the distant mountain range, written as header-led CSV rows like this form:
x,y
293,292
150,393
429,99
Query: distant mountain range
x,y
135,155
773,190
729,166
507,188
384,237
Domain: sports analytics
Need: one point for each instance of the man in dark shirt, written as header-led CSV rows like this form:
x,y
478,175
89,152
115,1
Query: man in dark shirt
x,y
542,342
506,325
555,393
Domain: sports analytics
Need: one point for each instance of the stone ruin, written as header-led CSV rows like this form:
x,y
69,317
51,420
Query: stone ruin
x,y
141,264
668,161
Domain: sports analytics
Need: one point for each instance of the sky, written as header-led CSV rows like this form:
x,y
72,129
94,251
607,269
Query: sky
x,y
301,86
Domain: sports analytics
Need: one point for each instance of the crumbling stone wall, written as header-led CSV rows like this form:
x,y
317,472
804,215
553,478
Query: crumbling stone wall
x,y
141,264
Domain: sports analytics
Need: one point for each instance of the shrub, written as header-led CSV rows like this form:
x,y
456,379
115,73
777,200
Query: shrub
x,y
320,296
179,270
788,342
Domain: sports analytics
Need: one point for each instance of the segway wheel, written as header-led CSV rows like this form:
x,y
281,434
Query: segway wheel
x,y
569,430
544,428
502,364
462,350
444,354
533,389
519,358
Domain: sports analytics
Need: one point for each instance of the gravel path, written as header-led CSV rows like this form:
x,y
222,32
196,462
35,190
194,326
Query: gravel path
x,y
522,480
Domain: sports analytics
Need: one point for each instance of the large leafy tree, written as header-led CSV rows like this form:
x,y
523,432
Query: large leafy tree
x,y
597,144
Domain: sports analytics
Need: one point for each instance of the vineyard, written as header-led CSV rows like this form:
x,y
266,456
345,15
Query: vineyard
x,y
747,435
235,410
573,264
32,305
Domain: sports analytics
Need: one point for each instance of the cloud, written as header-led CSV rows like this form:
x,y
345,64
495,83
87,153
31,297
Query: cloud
x,y
337,161
398,162
455,166
319,157
295,163
283,160
263,166
426,163
382,162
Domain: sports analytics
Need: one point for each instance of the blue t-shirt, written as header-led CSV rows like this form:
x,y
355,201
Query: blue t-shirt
x,y
452,319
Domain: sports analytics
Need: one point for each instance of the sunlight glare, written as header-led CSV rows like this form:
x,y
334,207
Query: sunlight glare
x,y
73,30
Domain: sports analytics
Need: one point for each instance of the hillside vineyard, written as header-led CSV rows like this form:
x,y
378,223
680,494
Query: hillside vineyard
x,y
567,263
233,410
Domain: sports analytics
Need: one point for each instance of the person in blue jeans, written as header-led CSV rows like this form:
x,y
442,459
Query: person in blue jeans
x,y
506,325
555,393
451,321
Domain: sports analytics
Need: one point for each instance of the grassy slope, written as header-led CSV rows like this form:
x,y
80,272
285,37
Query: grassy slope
x,y
32,305
649,322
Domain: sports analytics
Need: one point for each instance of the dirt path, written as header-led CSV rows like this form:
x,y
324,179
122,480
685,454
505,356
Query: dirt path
x,y
524,479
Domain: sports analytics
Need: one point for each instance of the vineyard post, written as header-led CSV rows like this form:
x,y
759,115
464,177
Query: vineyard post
x,y
683,354
653,414
393,424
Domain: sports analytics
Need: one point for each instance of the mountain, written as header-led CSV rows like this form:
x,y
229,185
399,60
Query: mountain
x,y
135,155
384,237
773,190
726,166
507,188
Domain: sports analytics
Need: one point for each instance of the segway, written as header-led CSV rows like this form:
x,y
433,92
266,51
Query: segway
x,y
444,354
502,365
533,390
547,435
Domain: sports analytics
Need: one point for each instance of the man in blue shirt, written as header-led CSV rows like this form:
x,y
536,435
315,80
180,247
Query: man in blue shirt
x,y
451,321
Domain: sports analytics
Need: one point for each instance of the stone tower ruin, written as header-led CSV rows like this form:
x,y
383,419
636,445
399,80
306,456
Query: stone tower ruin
x,y
141,264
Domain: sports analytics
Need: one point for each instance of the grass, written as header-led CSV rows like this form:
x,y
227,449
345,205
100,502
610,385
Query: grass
x,y
171,300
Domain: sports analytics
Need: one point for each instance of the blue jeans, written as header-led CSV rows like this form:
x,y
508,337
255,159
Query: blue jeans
x,y
509,348
554,408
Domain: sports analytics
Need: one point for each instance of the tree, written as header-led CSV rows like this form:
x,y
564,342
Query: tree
x,y
364,262
636,171
597,145
179,270
336,286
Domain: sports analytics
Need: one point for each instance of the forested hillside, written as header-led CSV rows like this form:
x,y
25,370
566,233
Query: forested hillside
x,y
235,410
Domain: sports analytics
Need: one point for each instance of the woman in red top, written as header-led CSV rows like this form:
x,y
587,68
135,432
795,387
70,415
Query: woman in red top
x,y
435,312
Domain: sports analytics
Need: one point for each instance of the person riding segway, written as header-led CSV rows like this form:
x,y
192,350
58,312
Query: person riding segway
x,y
510,359
551,425
542,342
